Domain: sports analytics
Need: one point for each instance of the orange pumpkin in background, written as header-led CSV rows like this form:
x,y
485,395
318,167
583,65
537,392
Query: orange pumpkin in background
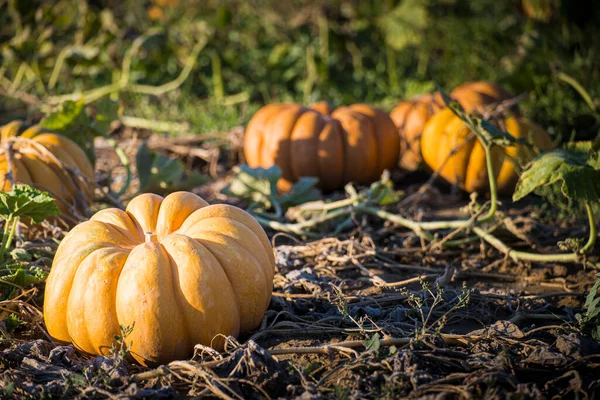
x,y
445,133
411,116
349,144
177,270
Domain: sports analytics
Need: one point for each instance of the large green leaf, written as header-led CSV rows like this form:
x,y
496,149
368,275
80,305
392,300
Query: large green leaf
x,y
591,150
578,179
161,173
259,187
107,111
23,201
405,24
302,192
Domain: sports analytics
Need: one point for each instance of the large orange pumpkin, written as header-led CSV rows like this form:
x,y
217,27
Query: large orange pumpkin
x,y
410,116
178,270
350,144
49,162
446,139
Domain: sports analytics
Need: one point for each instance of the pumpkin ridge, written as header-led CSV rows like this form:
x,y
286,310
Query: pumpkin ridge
x,y
278,140
104,216
145,299
144,210
204,226
331,136
175,274
75,308
246,310
227,211
208,268
289,159
101,288
299,171
174,211
65,284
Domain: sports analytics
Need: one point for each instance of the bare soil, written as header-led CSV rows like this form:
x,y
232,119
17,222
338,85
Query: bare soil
x,y
371,313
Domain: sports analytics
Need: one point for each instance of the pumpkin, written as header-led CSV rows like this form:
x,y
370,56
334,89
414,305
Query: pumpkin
x,y
410,116
49,162
178,270
445,133
349,144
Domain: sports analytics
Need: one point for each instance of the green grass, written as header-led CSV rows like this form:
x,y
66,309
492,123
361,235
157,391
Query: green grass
x,y
378,52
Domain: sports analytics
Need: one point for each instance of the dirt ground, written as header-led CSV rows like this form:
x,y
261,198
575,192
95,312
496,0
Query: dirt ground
x,y
371,313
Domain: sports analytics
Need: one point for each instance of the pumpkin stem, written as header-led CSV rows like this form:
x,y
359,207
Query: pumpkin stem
x,y
151,237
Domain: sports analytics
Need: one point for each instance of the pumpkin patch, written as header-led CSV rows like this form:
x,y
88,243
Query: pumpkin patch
x,y
309,199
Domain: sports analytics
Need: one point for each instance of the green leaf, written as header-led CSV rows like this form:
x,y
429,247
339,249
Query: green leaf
x,y
404,25
71,121
578,180
382,192
257,185
302,192
159,173
107,111
84,52
373,343
143,161
591,150
21,278
70,113
20,254
23,201
593,294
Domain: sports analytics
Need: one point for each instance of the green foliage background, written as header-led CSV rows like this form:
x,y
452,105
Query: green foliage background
x,y
258,51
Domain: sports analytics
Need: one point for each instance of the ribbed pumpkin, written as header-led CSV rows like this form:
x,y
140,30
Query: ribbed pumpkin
x,y
178,270
350,144
445,133
411,116
49,162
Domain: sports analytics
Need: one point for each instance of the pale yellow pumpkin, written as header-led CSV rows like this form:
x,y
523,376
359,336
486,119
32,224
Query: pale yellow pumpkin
x,y
49,162
178,270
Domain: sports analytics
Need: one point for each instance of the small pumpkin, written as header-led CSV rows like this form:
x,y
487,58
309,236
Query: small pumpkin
x,y
349,144
411,116
447,143
49,162
178,270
